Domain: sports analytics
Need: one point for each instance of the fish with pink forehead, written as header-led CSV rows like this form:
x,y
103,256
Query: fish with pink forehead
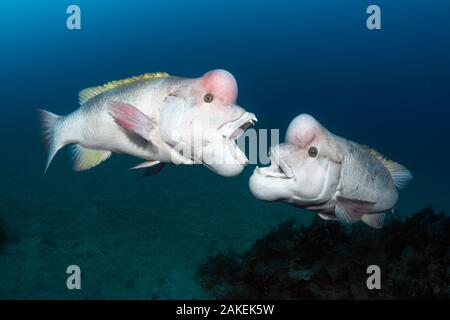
x,y
158,118
337,178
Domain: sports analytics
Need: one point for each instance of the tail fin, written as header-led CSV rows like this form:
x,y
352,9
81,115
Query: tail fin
x,y
400,174
50,133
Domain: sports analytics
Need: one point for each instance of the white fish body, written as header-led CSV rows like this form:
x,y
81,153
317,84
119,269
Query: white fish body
x,y
147,116
337,178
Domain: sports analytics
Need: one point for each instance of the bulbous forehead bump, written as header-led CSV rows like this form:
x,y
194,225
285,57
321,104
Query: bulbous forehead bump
x,y
303,130
221,84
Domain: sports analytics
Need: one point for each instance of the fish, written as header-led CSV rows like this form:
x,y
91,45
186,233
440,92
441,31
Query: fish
x,y
334,177
157,118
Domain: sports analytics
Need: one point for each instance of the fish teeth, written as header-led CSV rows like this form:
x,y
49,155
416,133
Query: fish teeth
x,y
253,120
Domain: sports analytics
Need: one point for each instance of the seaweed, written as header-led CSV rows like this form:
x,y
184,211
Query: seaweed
x,y
328,260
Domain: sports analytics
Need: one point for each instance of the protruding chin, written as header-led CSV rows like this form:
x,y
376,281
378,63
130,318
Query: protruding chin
x,y
268,188
218,156
227,170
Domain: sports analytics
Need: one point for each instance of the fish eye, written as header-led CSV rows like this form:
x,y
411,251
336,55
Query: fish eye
x,y
208,98
312,151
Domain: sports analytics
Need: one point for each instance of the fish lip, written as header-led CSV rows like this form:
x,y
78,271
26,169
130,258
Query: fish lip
x,y
278,167
235,128
232,130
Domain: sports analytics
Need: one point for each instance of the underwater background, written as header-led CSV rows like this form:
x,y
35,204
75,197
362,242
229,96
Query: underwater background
x,y
145,238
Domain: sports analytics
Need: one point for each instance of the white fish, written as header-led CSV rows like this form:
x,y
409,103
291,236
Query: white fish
x,y
327,174
158,118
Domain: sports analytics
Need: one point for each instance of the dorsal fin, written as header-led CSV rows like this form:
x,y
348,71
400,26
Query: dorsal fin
x,y
399,173
91,92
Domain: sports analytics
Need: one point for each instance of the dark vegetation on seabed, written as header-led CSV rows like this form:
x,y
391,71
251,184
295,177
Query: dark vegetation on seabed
x,y
3,237
328,261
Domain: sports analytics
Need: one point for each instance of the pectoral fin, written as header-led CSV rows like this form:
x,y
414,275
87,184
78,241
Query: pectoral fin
x,y
351,210
132,119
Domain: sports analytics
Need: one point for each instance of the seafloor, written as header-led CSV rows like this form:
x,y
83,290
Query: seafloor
x,y
132,237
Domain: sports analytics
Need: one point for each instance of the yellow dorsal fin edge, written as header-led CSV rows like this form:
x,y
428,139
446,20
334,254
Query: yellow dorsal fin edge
x,y
399,173
91,92
378,155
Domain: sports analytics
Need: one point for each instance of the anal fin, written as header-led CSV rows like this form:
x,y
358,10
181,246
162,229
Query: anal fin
x,y
351,210
84,158
374,220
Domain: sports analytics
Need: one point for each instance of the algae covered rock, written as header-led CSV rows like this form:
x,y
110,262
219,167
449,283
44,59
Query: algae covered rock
x,y
328,260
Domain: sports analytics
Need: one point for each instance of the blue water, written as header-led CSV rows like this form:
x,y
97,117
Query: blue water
x,y
142,238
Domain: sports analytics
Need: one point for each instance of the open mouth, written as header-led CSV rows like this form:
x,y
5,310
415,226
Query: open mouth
x,y
278,167
232,130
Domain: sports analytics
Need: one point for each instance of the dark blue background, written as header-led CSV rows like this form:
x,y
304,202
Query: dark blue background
x,y
388,89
